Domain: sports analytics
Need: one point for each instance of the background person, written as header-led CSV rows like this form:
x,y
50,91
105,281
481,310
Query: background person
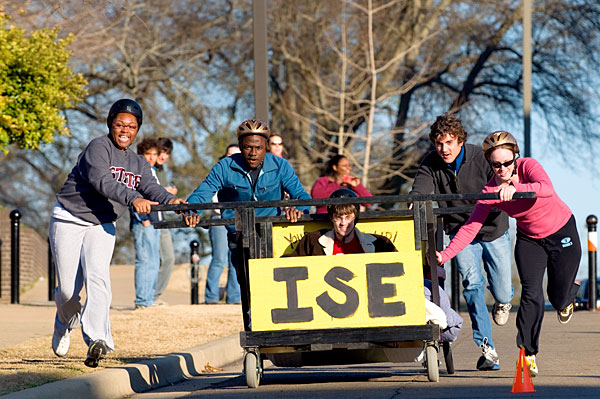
x,y
106,179
547,237
221,255
338,174
456,167
146,239
276,146
253,175
167,253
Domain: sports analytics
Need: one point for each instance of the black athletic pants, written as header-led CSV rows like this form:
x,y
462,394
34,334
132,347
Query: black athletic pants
x,y
560,253
239,260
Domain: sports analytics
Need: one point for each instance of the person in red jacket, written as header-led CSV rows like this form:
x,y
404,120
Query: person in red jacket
x,y
547,237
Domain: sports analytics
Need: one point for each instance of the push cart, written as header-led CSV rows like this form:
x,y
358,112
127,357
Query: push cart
x,y
348,309
291,328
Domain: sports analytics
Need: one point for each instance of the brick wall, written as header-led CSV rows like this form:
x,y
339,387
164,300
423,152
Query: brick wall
x,y
33,256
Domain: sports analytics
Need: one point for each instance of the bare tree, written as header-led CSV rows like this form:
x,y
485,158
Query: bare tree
x,y
184,62
335,78
321,78
359,77
478,72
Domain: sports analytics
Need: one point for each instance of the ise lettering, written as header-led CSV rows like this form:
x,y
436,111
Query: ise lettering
x,y
377,292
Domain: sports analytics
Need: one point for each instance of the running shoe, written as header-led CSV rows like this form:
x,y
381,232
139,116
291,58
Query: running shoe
x,y
500,312
489,359
564,316
60,343
532,365
96,352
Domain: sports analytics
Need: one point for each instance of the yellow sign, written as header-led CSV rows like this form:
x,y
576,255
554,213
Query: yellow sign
x,y
400,232
341,291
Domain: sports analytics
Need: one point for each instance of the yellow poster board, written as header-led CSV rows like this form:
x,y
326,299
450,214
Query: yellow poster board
x,y
400,232
342,291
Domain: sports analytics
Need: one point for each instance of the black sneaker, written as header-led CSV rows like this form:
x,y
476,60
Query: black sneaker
x,y
96,351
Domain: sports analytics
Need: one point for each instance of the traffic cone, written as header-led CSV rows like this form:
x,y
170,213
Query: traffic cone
x,y
522,381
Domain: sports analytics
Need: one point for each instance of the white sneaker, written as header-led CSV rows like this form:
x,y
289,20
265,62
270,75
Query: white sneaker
x,y
159,302
500,312
533,369
60,344
489,359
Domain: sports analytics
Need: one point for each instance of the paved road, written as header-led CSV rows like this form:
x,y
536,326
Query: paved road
x,y
569,364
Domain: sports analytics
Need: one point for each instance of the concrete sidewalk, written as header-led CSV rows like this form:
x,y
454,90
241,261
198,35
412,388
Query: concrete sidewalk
x,y
118,382
34,317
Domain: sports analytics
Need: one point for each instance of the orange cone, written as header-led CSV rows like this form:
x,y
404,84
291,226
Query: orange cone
x,y
522,381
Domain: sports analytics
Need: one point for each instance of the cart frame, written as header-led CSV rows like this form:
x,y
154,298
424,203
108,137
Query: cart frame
x,y
254,236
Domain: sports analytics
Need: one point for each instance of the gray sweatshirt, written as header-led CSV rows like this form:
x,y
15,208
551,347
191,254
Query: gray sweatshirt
x,y
106,180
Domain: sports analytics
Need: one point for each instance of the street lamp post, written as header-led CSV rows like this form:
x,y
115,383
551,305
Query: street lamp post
x,y
261,100
527,77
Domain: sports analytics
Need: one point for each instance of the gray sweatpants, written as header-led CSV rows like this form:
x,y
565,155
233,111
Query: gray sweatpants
x,y
82,255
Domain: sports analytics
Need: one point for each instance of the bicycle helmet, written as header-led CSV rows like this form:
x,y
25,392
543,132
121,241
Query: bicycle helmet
x,y
127,106
497,139
343,193
253,126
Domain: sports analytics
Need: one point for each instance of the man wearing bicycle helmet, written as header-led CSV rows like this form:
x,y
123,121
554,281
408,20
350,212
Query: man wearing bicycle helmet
x,y
252,175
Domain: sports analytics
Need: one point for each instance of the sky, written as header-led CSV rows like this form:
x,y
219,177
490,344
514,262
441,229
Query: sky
x,y
579,189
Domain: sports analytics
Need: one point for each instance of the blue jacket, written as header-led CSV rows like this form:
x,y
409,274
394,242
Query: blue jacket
x,y
230,177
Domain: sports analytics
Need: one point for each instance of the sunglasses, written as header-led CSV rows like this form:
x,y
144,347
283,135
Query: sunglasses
x,y
498,165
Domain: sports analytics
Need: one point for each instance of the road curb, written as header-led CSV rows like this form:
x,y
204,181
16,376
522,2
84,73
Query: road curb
x,y
117,382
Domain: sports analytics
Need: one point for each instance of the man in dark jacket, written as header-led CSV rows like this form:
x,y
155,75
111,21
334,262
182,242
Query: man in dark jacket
x,y
456,167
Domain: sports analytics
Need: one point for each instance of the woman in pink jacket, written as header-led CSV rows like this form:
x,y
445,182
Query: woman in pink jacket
x,y
337,175
547,237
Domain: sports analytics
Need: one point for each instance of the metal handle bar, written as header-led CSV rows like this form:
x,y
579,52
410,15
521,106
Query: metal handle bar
x,y
380,199
168,224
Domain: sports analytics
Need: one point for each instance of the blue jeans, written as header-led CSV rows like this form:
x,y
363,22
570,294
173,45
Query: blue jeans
x,y
146,240
496,257
221,256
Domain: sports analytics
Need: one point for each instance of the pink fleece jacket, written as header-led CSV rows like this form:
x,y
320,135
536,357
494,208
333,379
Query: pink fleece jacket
x,y
537,217
323,188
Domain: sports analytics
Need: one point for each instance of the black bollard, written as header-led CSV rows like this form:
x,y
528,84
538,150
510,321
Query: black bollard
x,y
592,221
15,245
194,265
51,274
